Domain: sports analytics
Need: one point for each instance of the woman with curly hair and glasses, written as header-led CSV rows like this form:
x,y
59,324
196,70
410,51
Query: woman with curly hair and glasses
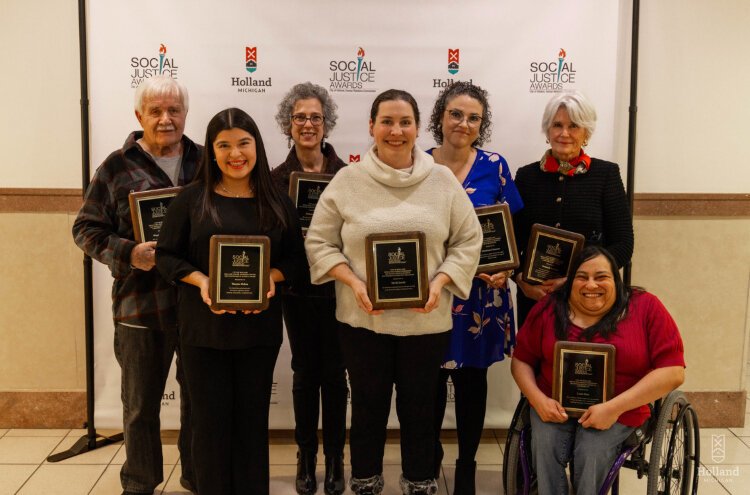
x,y
483,324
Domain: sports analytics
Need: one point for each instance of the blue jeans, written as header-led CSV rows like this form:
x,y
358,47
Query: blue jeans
x,y
145,356
593,452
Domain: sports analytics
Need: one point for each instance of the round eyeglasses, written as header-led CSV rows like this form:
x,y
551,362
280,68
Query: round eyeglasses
x,y
301,119
457,116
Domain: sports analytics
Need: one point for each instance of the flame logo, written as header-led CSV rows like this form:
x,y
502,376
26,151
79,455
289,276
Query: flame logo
x,y
562,53
360,56
162,49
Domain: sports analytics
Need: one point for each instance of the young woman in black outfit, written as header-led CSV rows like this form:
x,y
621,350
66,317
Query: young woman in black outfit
x,y
229,357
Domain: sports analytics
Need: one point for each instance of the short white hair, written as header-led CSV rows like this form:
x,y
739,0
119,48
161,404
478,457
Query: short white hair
x,y
161,85
580,110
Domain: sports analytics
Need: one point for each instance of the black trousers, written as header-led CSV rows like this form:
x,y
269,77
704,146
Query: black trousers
x,y
318,372
375,363
470,389
231,393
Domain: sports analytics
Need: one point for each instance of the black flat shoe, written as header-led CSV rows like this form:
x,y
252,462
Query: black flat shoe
x,y
306,484
334,481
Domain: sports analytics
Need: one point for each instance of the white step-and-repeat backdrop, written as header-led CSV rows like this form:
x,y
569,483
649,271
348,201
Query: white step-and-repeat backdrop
x,y
521,52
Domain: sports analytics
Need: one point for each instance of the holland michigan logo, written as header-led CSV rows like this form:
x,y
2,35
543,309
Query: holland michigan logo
x,y
251,58
453,68
248,84
453,61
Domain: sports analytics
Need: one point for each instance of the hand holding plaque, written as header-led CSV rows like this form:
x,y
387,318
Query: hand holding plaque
x,y
583,374
397,270
239,272
499,251
305,189
550,253
147,211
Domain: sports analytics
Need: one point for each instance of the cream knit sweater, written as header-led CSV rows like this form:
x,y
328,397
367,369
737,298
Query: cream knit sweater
x,y
372,197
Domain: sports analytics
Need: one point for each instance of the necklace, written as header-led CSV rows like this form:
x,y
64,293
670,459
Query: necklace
x,y
240,195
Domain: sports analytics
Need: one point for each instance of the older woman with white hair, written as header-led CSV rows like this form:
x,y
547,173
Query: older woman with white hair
x,y
570,190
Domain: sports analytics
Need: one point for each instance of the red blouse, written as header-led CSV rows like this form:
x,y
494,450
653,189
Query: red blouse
x,y
646,339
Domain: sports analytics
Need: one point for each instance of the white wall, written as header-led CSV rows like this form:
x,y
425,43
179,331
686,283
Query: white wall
x,y
39,94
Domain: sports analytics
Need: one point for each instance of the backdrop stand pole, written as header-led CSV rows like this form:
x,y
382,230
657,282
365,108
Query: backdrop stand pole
x,y
632,118
91,440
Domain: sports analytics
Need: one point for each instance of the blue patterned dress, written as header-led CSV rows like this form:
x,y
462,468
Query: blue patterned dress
x,y
484,329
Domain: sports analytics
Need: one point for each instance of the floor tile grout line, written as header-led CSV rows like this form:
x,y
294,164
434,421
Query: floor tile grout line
x,y
101,475
30,476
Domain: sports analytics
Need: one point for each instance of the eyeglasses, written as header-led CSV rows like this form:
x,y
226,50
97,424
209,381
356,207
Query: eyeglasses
x,y
301,119
457,116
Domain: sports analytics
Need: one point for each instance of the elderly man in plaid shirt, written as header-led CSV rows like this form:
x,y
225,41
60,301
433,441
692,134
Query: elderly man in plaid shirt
x,y
143,304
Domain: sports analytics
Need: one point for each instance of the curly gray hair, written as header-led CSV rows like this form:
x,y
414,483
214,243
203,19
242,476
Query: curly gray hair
x,y
303,91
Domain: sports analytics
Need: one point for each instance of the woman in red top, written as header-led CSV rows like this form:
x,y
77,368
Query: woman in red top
x,y
594,306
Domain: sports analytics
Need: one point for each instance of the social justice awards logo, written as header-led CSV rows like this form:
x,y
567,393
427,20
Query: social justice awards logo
x,y
149,66
241,260
453,67
397,257
551,76
352,76
248,84
159,211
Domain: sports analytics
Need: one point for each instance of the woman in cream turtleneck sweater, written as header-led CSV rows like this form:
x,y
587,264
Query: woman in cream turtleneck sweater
x,y
397,187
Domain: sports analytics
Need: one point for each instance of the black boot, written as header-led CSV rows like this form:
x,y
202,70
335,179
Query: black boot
x,y
465,474
334,481
438,458
306,483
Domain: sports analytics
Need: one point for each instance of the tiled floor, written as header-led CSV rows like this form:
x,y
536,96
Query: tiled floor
x,y
24,469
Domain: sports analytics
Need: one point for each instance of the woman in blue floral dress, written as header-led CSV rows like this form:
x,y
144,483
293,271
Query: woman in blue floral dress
x,y
483,325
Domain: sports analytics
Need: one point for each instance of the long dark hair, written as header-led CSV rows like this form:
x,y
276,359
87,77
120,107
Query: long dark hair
x,y
271,209
607,325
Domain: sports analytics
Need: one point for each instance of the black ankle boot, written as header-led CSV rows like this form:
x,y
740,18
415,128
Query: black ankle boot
x,y
334,481
306,483
465,474
438,459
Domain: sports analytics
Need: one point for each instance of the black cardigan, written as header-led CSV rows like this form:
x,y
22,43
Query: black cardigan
x,y
593,204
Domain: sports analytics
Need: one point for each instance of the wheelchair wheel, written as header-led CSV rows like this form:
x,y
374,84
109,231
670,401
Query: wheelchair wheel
x,y
674,458
513,476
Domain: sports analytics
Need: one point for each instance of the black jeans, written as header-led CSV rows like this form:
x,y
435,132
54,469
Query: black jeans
x,y
231,392
375,363
318,372
145,356
470,389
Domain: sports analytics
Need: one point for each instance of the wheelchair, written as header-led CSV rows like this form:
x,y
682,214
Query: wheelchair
x,y
671,467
